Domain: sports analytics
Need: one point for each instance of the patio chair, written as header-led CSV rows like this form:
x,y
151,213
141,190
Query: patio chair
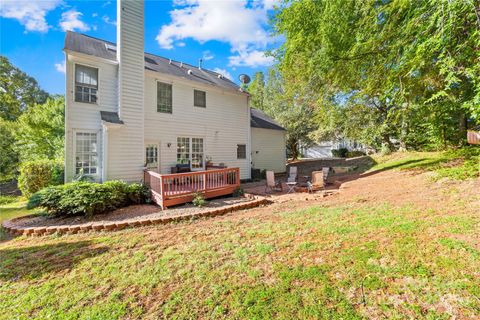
x,y
317,182
292,179
292,176
272,184
326,173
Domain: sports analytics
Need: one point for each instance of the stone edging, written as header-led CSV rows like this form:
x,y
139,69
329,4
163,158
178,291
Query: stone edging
x,y
119,225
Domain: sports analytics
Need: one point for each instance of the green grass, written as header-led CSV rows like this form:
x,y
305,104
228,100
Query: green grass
x,y
458,164
14,209
8,199
352,261
327,263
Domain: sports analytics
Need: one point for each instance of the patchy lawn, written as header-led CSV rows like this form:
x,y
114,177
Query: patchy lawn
x,y
357,254
455,164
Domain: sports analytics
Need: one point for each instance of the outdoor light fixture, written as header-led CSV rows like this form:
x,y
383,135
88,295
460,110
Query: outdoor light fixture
x,y
169,144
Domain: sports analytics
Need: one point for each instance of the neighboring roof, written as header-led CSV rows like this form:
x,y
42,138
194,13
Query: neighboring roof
x,y
258,119
81,43
110,117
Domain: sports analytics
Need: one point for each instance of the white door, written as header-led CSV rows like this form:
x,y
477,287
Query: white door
x,y
152,157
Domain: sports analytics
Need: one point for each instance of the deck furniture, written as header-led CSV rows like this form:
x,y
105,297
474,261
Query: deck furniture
x,y
291,186
181,168
317,182
473,136
271,183
172,189
292,176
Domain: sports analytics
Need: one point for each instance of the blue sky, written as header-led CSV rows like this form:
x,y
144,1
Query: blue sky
x,y
230,35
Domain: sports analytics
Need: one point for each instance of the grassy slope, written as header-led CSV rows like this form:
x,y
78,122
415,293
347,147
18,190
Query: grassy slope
x,y
341,262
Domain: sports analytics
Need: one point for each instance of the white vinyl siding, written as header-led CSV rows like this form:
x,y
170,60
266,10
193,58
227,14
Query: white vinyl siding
x,y
269,149
222,125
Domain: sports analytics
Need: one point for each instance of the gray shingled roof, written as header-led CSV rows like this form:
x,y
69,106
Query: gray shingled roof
x,y
258,119
81,43
111,117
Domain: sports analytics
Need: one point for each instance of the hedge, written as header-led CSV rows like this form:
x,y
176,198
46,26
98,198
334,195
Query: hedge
x,y
38,174
87,198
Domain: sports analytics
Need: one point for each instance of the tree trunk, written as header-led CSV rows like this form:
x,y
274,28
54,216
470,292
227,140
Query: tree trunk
x,y
462,129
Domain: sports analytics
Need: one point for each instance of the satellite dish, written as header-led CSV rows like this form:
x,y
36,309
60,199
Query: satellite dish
x,y
244,79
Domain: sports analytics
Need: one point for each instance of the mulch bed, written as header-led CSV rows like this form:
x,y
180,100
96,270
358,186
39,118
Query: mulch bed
x,y
137,215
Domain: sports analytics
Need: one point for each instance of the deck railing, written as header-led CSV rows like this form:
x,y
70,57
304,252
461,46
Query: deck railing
x,y
177,188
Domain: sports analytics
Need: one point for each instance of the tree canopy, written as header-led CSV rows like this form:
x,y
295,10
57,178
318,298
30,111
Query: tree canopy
x,y
384,72
18,91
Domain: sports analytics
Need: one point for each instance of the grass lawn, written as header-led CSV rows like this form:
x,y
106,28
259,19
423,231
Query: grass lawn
x,y
290,260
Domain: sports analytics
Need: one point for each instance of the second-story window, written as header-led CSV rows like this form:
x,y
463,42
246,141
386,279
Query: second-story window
x,y
199,99
164,97
86,84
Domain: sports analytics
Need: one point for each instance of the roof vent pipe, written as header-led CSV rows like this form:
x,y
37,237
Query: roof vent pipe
x,y
181,64
219,76
169,61
189,71
200,62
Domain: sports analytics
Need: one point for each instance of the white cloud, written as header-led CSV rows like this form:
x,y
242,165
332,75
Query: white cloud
x,y
224,73
207,55
107,20
30,14
71,21
61,67
253,58
233,22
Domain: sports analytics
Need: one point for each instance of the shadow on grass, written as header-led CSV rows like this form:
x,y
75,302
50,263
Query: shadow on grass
x,y
36,261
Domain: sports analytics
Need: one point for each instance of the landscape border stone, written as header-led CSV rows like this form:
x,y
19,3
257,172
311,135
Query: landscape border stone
x,y
9,225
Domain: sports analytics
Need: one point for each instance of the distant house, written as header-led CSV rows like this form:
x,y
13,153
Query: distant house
x,y
127,110
324,149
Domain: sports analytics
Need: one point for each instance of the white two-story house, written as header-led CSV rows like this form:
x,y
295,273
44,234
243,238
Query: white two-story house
x,y
127,110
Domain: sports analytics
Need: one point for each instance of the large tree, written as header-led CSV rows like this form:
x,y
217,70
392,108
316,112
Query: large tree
x,y
294,113
402,64
18,91
40,131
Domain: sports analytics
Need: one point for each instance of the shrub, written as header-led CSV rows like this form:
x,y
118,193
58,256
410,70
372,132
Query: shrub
x,y
85,198
198,200
38,174
7,199
340,153
353,154
239,192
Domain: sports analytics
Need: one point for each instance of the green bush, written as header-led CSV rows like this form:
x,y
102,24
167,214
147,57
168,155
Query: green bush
x,y
7,199
353,154
239,192
199,200
38,174
86,198
340,153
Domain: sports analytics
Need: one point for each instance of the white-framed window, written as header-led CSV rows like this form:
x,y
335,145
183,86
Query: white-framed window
x,y
151,156
241,151
86,153
199,98
190,150
164,97
86,84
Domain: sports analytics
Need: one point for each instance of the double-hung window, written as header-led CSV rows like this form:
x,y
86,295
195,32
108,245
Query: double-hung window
x,y
241,151
86,84
86,153
164,97
190,150
199,98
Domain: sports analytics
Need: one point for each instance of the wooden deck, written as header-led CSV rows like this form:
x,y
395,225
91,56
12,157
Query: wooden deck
x,y
172,189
